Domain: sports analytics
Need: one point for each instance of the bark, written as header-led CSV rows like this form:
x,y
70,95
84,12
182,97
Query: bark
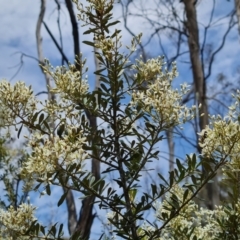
x,y
72,212
211,192
75,33
237,6
83,225
86,216
39,45
170,141
237,9
72,216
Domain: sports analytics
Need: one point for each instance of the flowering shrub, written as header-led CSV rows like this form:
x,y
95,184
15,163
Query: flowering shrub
x,y
16,222
58,152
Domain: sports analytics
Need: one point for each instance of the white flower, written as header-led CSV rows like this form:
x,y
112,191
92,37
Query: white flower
x,y
18,220
159,99
203,221
69,83
16,101
54,154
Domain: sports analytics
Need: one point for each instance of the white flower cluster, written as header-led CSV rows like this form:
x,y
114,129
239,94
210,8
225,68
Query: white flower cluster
x,y
16,221
203,221
55,153
69,83
152,68
16,101
221,139
94,5
108,45
18,105
159,99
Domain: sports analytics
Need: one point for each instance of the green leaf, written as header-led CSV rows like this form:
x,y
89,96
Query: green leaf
x,y
207,166
53,230
46,125
163,179
91,30
42,229
61,200
109,9
119,182
104,87
99,57
115,33
150,126
60,232
92,19
132,193
19,131
120,73
89,43
194,180
99,71
179,165
48,190
61,130
154,189
102,186
41,118
171,178
112,23
35,117
109,191
185,195
133,143
37,186
126,78
194,161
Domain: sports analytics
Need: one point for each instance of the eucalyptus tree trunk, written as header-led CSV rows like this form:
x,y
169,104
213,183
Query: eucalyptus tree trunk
x,y
237,7
86,217
170,142
211,193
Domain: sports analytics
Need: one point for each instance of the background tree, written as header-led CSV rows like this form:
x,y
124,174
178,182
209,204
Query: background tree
x,y
86,217
178,22
72,217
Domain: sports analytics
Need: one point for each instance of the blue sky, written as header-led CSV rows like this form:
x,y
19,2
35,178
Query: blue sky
x,y
17,34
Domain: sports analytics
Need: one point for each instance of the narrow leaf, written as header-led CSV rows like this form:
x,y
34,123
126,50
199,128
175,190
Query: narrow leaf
x,y
35,117
104,87
60,130
41,118
61,200
19,131
154,189
89,43
60,230
113,23
46,125
48,190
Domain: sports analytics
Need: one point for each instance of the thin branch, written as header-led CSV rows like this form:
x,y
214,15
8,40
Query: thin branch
x,y
42,92
59,27
76,39
124,14
86,217
56,43
177,212
232,23
39,47
21,63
